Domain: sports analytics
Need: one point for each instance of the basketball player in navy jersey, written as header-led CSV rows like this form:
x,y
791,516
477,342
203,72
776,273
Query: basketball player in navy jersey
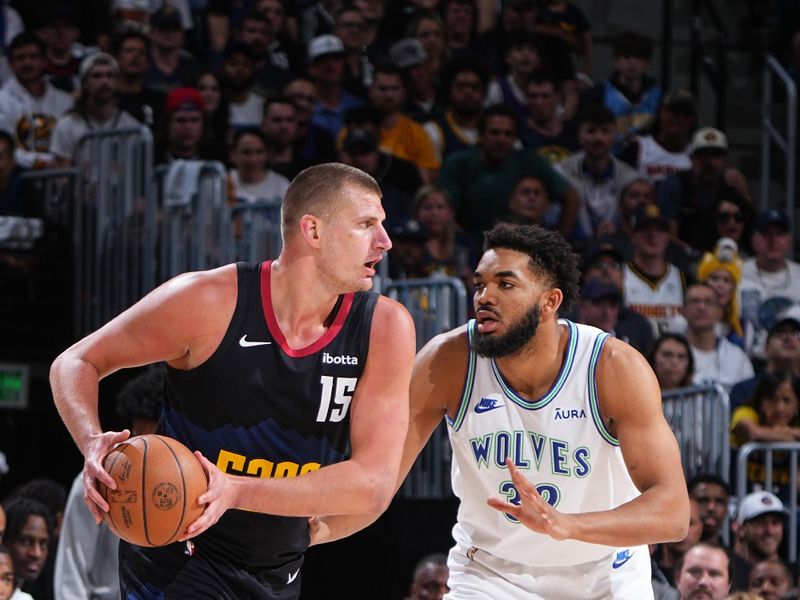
x,y
288,379
564,464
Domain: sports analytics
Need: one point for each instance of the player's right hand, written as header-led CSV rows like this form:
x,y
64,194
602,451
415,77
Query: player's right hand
x,y
95,452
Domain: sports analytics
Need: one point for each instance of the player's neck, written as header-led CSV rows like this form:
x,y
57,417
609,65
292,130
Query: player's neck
x,y
547,351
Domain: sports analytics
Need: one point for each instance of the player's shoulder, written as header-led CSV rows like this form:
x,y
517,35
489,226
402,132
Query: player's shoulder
x,y
448,350
207,285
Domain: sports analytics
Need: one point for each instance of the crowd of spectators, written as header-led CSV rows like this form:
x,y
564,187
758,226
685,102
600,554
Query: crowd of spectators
x,y
467,113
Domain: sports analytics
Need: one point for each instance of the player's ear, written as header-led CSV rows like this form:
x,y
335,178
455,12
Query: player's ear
x,y
309,228
551,301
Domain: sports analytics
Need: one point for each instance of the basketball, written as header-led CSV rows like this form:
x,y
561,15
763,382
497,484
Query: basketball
x,y
158,482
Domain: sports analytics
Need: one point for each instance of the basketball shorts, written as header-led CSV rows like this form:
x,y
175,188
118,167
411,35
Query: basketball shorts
x,y
476,575
170,573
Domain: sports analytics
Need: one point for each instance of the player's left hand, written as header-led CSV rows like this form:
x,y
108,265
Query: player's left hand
x,y
217,499
532,511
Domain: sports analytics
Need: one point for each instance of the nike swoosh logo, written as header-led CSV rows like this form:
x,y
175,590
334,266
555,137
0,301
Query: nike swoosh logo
x,y
621,560
245,344
482,409
292,577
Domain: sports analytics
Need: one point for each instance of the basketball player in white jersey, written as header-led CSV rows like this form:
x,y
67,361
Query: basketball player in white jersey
x,y
562,459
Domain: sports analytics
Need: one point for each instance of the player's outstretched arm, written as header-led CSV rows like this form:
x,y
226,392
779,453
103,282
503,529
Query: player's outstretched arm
x,y
181,322
631,400
434,381
362,484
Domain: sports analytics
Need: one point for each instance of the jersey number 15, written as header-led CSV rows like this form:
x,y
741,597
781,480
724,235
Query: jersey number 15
x,y
337,392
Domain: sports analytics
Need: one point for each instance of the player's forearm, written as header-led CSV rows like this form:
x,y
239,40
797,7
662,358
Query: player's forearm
x,y
330,529
658,515
74,383
345,488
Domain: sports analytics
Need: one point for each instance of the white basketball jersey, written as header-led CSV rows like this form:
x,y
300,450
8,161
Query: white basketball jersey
x,y
558,441
658,162
660,301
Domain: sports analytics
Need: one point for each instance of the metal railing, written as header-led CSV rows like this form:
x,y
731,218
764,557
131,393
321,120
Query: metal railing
x,y
257,230
714,63
785,141
113,224
699,417
768,449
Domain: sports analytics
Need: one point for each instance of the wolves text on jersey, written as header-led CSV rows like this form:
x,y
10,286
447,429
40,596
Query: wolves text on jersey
x,y
527,448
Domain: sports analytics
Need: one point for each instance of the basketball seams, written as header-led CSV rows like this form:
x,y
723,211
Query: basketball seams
x,y
107,495
143,500
179,464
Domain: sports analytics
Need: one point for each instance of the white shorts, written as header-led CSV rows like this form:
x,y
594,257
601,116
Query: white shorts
x,y
623,575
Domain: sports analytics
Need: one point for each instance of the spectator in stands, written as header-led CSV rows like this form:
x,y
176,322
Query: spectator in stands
x,y
716,358
665,149
668,556
422,97
523,59
59,30
759,530
351,27
272,59
629,93
711,493
29,105
705,572
135,15
95,110
184,117
605,262
771,579
408,249
689,198
314,143
672,361
598,176
530,204
567,22
7,574
653,286
216,121
12,199
28,534
246,107
132,53
279,126
783,354
456,128
735,220
326,56
448,250
399,179
770,281
86,559
430,578
429,29
253,180
400,135
481,179
170,65
460,20
13,26
545,130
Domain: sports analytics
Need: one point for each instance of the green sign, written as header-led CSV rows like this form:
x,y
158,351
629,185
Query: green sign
x,y
14,380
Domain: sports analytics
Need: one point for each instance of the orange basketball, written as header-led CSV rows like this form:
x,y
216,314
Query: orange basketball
x,y
158,482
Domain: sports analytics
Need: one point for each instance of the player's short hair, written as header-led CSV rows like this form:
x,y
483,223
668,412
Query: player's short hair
x,y
312,192
18,510
550,255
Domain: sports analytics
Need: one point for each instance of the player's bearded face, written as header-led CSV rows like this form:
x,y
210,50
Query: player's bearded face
x,y
519,333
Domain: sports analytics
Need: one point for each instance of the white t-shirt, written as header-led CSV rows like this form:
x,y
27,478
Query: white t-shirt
x,y
270,189
726,365
136,13
72,127
248,113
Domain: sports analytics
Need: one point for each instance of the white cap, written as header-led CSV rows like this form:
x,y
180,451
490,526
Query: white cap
x,y
324,44
708,137
759,503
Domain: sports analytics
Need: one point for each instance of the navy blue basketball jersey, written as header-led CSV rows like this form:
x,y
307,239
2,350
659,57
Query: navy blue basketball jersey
x,y
259,408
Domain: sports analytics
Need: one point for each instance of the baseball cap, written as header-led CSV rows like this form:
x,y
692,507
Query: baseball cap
x,y
772,217
88,63
362,138
647,214
602,249
166,17
709,138
323,45
599,289
680,99
408,229
759,503
408,53
789,317
184,98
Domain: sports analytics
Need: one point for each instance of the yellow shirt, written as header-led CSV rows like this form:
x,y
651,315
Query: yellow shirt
x,y
743,413
407,139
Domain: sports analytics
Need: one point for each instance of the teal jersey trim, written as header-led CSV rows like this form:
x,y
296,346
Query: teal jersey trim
x,y
594,403
469,381
559,382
